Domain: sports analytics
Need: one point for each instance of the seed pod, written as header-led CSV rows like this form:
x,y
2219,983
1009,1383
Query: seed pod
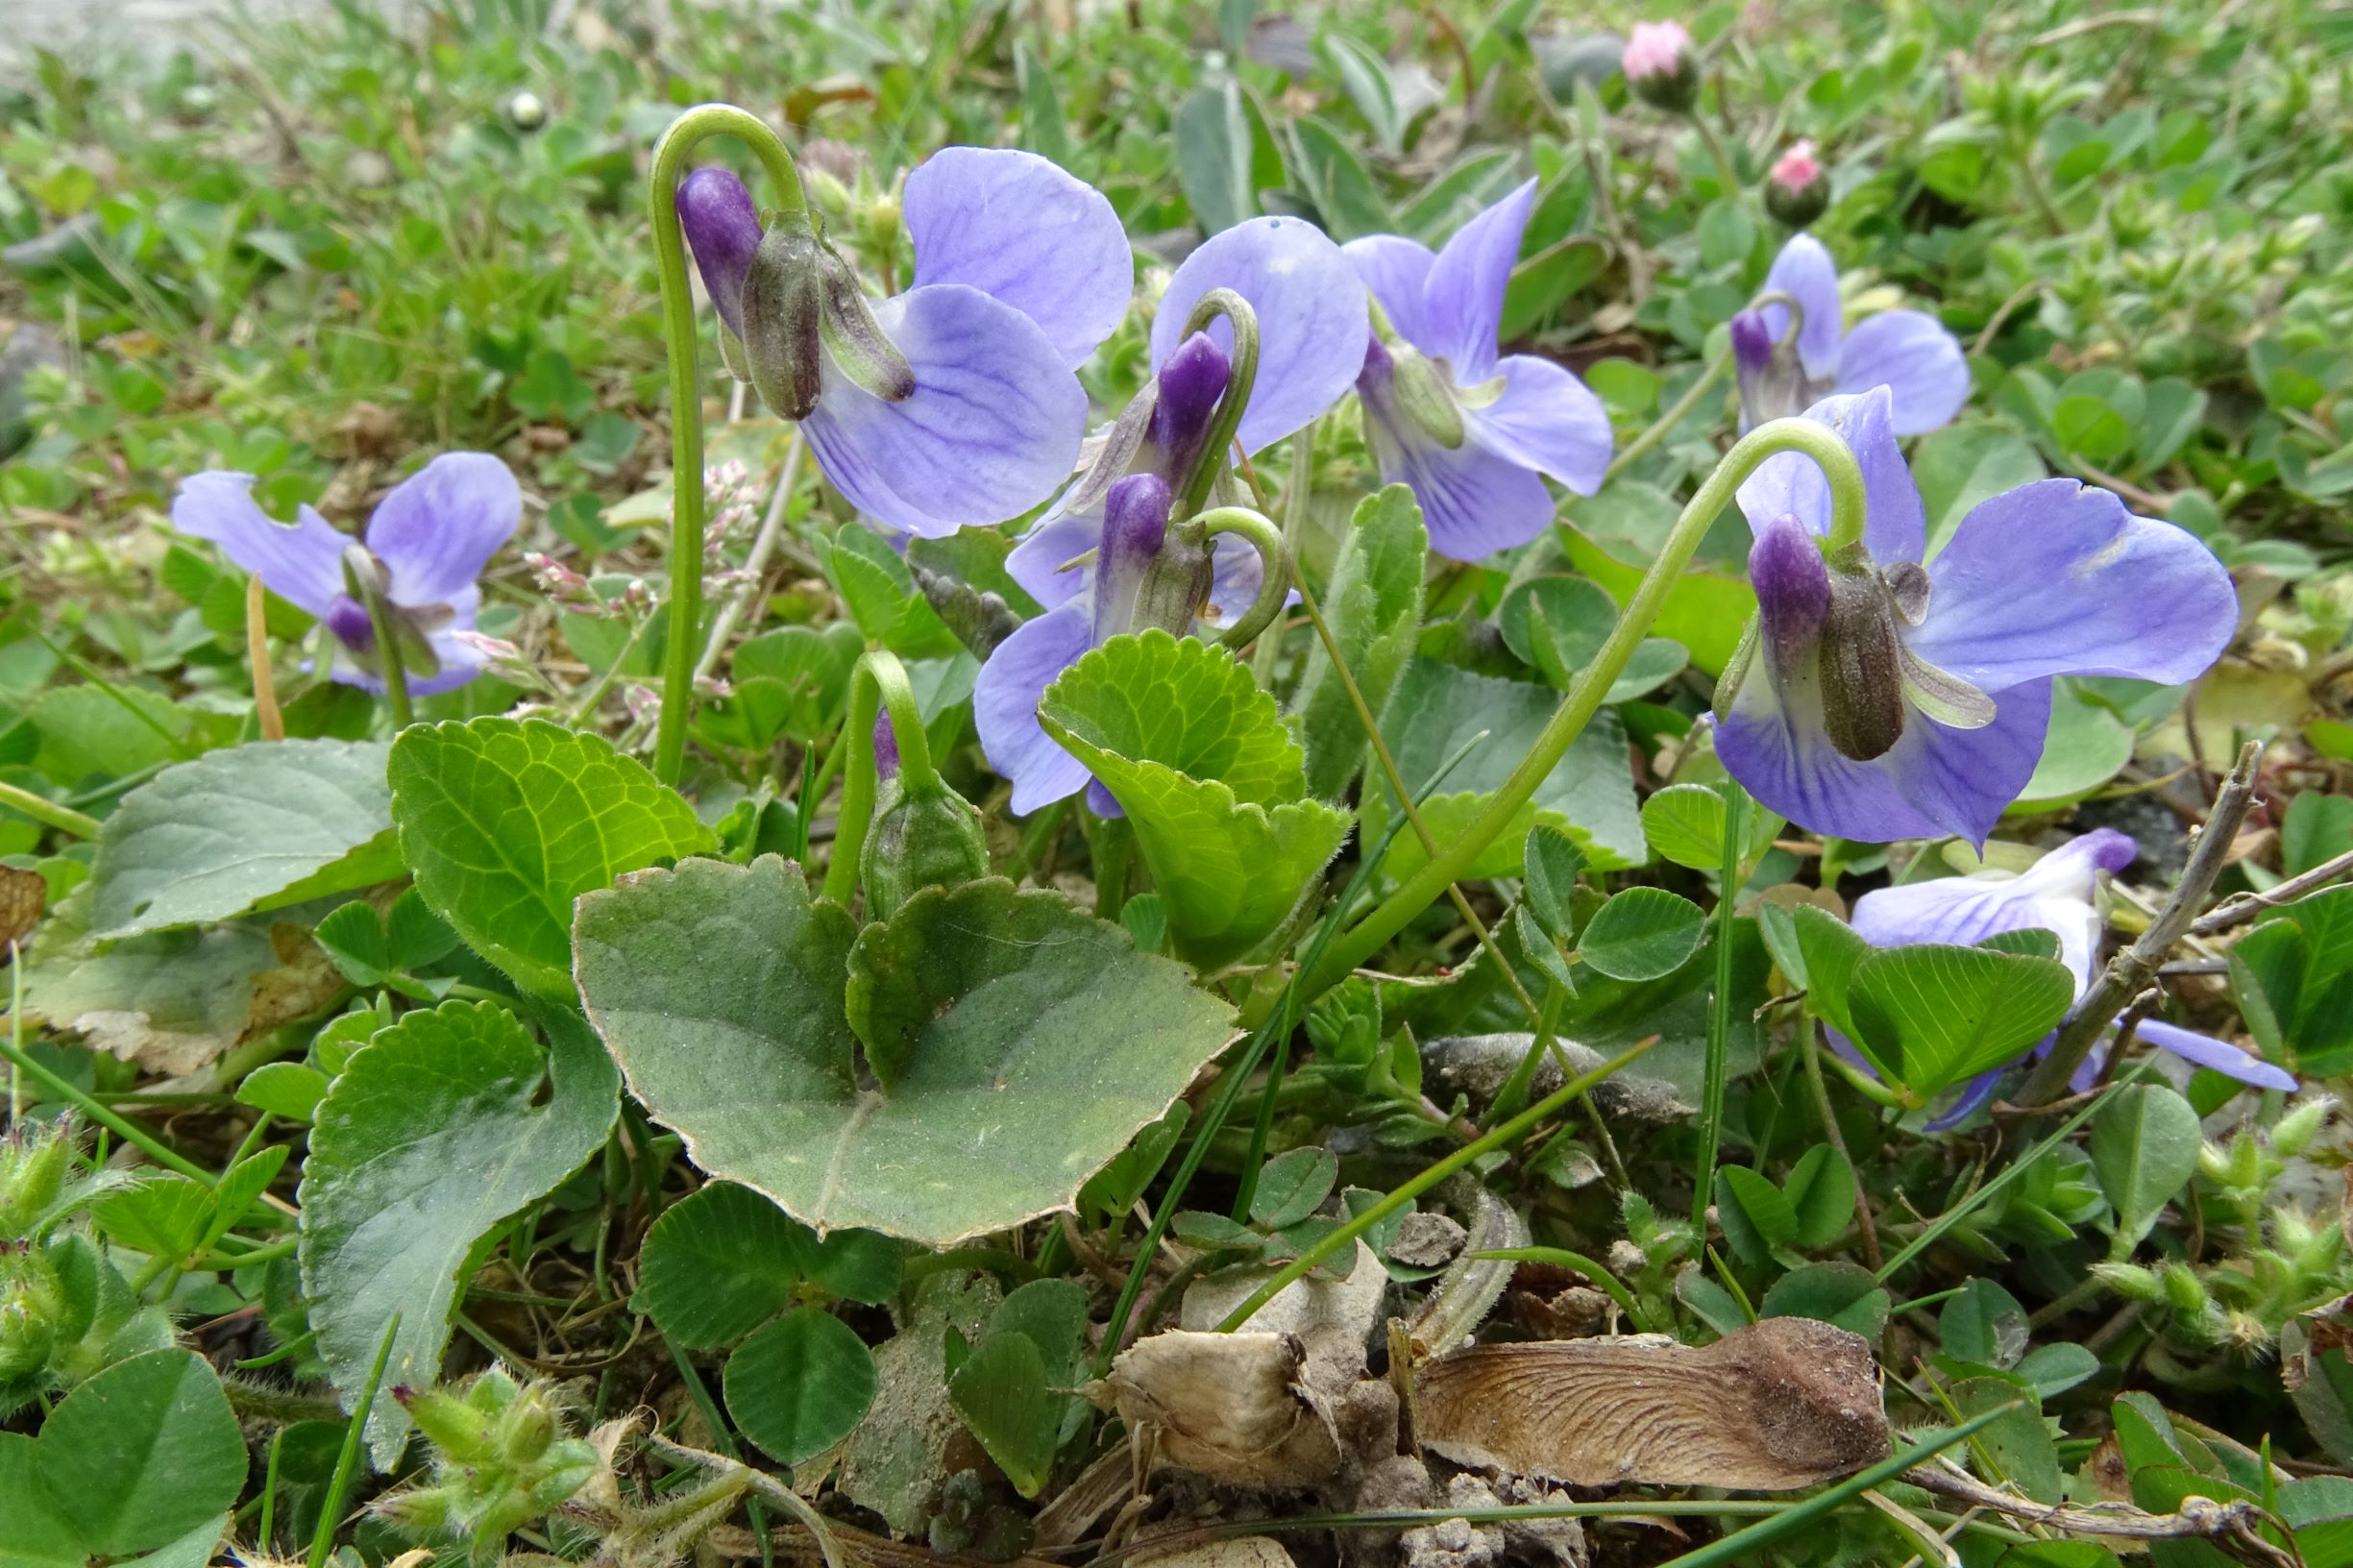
x,y
30,1305
925,840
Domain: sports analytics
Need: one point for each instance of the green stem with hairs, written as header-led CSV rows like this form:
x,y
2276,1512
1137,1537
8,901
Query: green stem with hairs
x,y
879,682
1241,375
1509,1133
1591,688
686,520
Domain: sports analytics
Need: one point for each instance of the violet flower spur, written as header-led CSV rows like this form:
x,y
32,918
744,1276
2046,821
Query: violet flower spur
x,y
1792,349
1879,699
953,402
2057,893
1473,434
430,538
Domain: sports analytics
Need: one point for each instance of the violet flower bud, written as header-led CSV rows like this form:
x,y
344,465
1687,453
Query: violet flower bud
x,y
1144,579
1190,383
722,228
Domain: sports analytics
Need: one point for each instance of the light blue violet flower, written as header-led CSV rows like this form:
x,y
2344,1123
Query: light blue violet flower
x,y
953,402
1473,434
1792,349
1085,560
430,538
1882,698
2056,894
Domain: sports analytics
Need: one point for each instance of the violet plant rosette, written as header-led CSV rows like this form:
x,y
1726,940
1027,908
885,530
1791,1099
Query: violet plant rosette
x,y
1474,433
1791,348
2057,893
954,402
428,540
1878,697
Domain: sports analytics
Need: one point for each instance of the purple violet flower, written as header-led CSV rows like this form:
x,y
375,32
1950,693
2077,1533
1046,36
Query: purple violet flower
x,y
1087,558
1020,270
1472,434
1786,366
1120,591
1888,699
2055,895
432,537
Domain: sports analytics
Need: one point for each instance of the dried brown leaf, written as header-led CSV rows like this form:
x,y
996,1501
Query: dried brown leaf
x,y
23,896
1786,1403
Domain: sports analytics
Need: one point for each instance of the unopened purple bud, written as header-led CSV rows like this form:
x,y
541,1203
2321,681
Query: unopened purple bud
x,y
722,228
348,619
885,749
1135,523
1132,586
1793,591
1751,342
1190,383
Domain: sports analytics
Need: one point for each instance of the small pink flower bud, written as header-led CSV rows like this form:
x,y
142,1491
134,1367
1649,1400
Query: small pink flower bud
x,y
1658,65
1797,190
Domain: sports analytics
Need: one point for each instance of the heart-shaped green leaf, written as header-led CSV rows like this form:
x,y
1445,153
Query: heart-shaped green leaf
x,y
799,1385
146,1452
271,821
1939,1014
1642,934
436,1131
1016,1044
506,823
1199,759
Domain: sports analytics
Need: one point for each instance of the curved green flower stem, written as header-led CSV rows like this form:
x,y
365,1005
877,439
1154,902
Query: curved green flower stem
x,y
1241,375
364,581
1591,687
1274,581
879,681
686,520
1345,1235
48,813
1667,420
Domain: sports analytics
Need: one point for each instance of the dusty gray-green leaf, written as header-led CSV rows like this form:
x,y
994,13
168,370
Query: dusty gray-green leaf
x,y
1017,1044
434,1130
1373,604
210,837
506,823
